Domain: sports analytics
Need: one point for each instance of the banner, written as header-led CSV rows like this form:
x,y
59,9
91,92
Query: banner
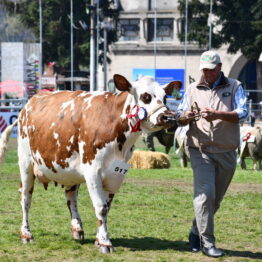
x,y
162,76
6,119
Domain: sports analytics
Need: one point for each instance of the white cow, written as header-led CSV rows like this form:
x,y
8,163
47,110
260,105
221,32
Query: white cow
x,y
79,137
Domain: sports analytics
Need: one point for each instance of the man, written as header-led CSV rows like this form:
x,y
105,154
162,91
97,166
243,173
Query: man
x,y
212,142
166,138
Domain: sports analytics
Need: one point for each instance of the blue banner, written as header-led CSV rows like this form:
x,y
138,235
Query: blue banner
x,y
162,76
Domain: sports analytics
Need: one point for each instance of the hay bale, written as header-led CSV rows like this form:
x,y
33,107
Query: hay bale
x,y
148,160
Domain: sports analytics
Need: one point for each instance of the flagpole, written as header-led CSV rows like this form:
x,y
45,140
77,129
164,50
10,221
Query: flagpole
x,y
72,45
210,25
41,46
186,28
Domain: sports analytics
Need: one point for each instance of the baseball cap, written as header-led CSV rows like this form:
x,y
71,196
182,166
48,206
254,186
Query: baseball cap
x,y
209,60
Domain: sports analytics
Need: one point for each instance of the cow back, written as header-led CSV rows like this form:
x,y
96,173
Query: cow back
x,y
56,124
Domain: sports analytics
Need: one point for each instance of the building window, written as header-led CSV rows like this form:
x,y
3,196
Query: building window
x,y
128,29
164,29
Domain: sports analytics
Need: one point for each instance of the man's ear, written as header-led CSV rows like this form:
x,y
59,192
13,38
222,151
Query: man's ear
x,y
121,83
174,84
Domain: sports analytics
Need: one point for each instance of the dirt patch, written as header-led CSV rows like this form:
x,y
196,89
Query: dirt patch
x,y
234,188
243,188
180,185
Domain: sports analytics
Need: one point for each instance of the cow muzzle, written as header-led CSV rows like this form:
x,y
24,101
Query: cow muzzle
x,y
167,119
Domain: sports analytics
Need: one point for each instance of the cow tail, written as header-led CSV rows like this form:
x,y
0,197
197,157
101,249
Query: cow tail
x,y
4,140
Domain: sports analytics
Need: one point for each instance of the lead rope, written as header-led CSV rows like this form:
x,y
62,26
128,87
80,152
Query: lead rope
x,y
196,110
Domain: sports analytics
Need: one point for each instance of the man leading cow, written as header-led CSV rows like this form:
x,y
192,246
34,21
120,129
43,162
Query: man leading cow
x,y
212,142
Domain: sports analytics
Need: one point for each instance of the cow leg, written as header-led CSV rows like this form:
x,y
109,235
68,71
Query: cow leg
x,y
76,223
243,163
167,149
255,165
26,191
101,201
103,242
183,160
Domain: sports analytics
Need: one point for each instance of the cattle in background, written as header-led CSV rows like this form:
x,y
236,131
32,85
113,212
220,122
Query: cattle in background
x,y
180,145
165,138
79,137
250,146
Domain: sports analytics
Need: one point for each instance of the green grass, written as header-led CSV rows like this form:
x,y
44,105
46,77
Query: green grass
x,y
149,220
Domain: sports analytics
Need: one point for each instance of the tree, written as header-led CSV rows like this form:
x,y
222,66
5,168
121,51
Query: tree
x,y
56,28
11,30
237,23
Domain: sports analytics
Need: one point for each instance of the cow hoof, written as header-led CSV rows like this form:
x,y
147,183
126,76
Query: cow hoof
x,y
104,249
27,239
78,235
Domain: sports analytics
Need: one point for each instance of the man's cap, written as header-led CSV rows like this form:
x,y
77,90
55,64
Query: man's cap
x,y
209,60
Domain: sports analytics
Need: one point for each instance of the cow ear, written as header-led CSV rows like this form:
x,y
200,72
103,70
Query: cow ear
x,y
121,83
175,84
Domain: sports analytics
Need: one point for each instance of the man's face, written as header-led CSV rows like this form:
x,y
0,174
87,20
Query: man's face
x,y
211,75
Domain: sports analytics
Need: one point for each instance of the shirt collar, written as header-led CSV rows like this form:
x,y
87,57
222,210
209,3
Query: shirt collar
x,y
218,80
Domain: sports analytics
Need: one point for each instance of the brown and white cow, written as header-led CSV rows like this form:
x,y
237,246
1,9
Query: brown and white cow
x,y
79,137
250,146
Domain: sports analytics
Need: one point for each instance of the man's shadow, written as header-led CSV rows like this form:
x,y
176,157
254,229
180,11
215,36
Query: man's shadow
x,y
150,243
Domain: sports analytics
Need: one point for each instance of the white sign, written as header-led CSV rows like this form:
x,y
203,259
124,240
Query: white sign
x,y
48,80
119,167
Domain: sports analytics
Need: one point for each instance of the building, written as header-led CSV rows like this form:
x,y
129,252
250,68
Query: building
x,y
136,48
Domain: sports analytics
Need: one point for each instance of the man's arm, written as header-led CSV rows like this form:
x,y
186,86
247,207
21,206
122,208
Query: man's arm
x,y
240,111
210,114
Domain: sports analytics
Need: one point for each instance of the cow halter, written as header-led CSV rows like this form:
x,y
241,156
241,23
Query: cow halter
x,y
140,114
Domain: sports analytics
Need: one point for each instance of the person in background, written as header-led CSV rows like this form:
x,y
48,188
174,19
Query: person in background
x,y
212,142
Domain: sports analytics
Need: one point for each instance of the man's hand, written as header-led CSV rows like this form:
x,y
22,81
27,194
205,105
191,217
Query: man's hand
x,y
187,117
210,114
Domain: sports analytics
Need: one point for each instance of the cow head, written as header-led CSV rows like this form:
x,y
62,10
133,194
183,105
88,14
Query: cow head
x,y
149,101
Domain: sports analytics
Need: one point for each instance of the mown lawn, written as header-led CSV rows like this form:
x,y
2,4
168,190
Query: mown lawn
x,y
149,220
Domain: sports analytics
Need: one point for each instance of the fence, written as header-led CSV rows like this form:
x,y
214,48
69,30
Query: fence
x,y
255,108
12,105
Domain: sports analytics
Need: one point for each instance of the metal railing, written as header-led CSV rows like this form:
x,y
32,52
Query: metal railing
x,y
12,104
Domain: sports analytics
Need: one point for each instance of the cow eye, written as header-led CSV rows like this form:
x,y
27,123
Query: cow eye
x,y
146,98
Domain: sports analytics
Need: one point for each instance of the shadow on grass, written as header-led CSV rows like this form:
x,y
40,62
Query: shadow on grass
x,y
150,243
246,254
145,243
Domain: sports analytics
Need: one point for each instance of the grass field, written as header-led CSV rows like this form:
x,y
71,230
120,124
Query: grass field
x,y
149,220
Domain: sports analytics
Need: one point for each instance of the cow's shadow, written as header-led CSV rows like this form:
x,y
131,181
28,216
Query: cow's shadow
x,y
150,243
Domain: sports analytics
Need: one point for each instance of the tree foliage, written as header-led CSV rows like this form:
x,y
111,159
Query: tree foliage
x,y
56,28
11,30
237,23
